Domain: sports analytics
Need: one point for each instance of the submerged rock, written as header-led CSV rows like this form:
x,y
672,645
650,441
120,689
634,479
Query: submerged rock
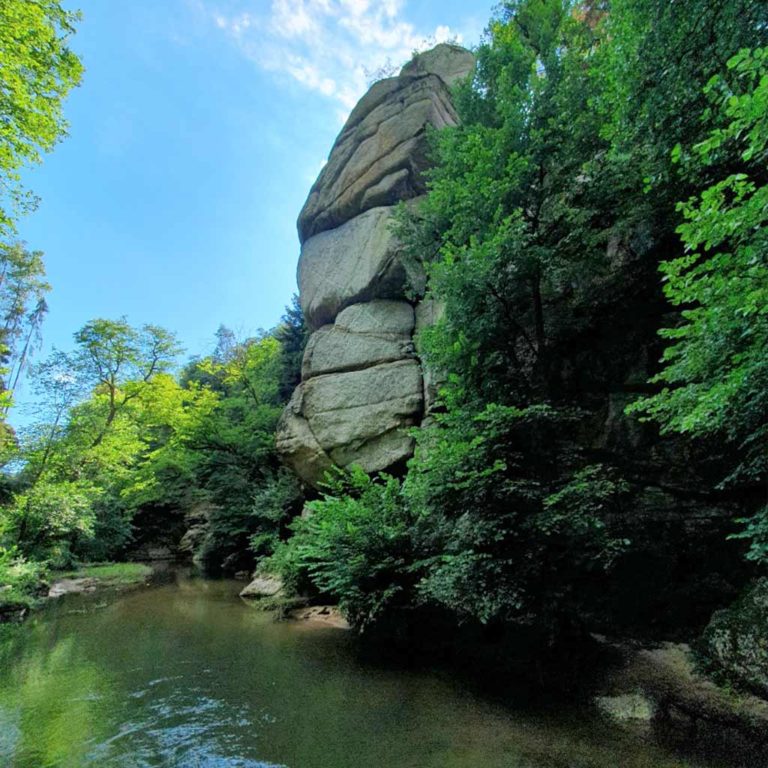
x,y
661,683
319,616
627,707
73,586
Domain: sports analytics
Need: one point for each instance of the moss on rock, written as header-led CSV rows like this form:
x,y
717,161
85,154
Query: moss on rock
x,y
734,646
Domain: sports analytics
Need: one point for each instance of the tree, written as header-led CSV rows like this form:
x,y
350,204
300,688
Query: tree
x,y
356,545
23,308
235,452
512,224
37,71
658,57
226,344
106,405
122,361
292,333
714,372
58,389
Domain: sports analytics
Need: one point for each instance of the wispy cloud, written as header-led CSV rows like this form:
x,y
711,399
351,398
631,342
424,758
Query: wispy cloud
x,y
332,47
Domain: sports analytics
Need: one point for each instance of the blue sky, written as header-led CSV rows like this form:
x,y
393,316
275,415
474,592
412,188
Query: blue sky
x,y
194,139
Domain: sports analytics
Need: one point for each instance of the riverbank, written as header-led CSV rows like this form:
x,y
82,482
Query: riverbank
x,y
659,689
89,578
26,586
652,689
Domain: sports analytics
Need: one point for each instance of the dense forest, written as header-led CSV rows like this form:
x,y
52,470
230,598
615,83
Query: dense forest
x,y
594,233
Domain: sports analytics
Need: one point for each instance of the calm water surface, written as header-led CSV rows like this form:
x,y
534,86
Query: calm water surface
x,y
186,675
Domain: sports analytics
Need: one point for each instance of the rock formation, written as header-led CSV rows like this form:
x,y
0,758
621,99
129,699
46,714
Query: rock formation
x,y
362,384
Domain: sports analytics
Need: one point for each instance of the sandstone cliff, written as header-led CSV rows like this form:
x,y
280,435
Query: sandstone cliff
x,y
362,384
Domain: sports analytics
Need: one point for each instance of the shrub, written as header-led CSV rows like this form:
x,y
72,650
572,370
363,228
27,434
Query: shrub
x,y
354,545
21,580
511,524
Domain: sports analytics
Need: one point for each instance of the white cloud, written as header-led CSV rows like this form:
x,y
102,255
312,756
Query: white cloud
x,y
330,47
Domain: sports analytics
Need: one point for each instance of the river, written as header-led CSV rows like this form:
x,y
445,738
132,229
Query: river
x,y
186,675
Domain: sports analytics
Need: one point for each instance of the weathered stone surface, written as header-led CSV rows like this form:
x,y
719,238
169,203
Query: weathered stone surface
x,y
356,262
297,444
385,318
627,707
379,453
665,682
450,63
363,335
321,616
351,409
263,586
380,154
736,641
362,384
358,417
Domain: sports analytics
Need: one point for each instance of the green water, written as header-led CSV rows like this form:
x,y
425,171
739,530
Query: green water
x,y
187,675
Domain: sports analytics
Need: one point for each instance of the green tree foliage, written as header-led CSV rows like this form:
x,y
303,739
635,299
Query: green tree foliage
x,y
657,60
23,308
292,333
511,519
237,461
37,71
484,525
542,245
510,218
98,420
715,371
355,545
125,454
22,579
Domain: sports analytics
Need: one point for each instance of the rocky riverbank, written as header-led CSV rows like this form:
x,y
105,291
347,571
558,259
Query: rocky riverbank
x,y
660,688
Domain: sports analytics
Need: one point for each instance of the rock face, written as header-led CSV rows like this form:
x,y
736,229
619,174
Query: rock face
x,y
380,153
263,586
363,335
356,262
362,384
735,643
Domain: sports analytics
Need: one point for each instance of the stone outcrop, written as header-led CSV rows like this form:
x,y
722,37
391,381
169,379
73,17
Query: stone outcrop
x,y
735,644
358,261
263,586
362,384
363,335
381,152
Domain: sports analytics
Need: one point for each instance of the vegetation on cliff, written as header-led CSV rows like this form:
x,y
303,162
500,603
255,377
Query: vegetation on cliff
x,y
594,239
606,185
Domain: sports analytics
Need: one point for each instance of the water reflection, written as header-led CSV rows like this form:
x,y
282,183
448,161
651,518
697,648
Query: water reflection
x,y
187,675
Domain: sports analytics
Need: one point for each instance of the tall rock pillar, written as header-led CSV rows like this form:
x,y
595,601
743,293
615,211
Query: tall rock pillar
x,y
362,385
